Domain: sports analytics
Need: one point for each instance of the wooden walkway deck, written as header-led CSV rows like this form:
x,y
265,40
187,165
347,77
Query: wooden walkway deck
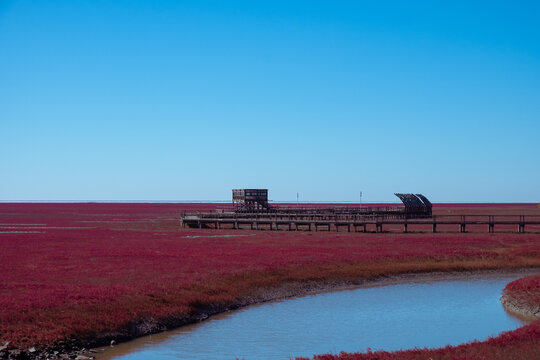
x,y
317,222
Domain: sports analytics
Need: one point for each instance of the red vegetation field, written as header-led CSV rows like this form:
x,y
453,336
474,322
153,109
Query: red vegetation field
x,y
94,272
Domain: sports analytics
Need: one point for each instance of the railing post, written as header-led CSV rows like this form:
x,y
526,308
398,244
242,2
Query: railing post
x,y
405,226
462,225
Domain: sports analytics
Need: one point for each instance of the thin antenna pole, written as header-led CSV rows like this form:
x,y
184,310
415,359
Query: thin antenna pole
x,y
297,196
360,199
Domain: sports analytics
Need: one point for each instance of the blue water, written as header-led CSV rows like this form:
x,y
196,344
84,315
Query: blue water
x,y
386,317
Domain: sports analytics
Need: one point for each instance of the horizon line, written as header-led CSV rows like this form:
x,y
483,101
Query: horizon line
x,y
271,201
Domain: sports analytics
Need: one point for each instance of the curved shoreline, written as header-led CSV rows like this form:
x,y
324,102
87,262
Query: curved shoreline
x,y
298,289
520,309
518,302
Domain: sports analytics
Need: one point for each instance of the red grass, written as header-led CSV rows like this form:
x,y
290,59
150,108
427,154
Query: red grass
x,y
95,268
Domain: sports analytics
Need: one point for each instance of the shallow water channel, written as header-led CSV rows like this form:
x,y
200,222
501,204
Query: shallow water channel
x,y
392,317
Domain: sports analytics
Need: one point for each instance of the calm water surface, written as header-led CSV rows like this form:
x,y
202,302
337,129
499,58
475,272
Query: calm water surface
x,y
386,317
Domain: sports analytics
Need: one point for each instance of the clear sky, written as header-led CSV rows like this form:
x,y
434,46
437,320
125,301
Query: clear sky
x,y
185,100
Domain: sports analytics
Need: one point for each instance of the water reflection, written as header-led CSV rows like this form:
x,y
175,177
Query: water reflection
x,y
387,317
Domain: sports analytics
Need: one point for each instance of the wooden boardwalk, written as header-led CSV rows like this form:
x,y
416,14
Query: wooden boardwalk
x,y
318,222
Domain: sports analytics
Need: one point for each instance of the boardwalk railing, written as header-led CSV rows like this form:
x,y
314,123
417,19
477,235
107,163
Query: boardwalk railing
x,y
356,222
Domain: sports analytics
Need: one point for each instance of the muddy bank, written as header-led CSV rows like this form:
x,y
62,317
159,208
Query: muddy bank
x,y
74,349
519,308
293,289
519,302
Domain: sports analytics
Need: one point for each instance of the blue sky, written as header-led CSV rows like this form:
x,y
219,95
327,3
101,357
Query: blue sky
x,y
185,100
